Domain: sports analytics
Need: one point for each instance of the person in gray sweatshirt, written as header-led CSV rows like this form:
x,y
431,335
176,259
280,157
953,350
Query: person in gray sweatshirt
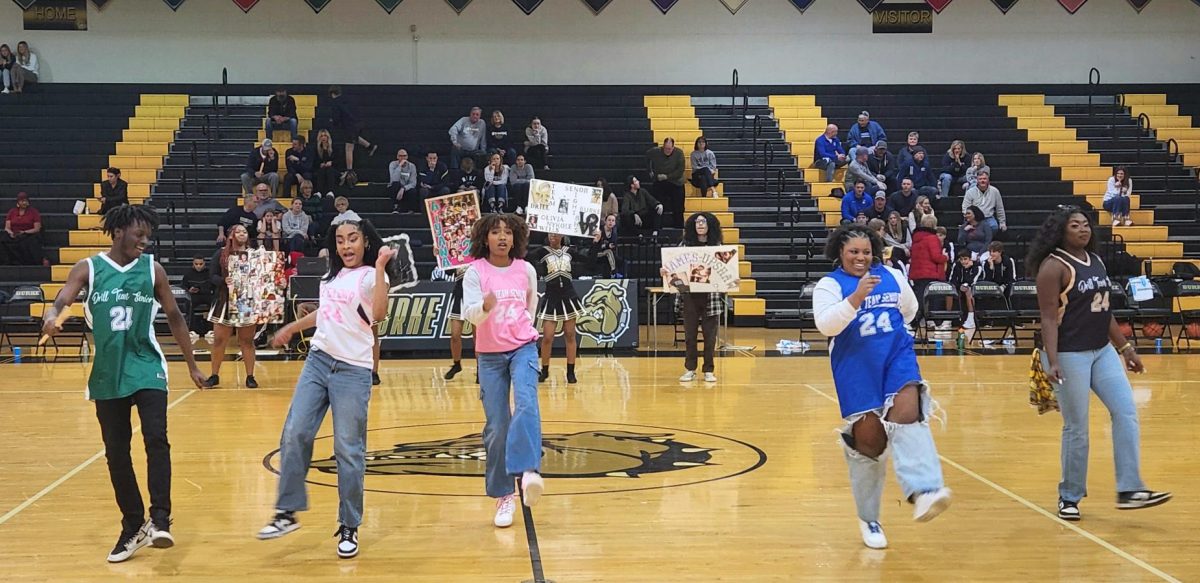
x,y
402,184
987,198
468,137
519,177
860,170
295,227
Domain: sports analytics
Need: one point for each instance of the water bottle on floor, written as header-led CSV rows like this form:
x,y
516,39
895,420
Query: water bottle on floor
x,y
16,354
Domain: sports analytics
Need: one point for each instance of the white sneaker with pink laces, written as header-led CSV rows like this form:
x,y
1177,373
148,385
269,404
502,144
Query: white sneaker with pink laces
x,y
504,512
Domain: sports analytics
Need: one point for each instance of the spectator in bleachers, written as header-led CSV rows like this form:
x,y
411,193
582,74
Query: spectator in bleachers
x,y
239,215
198,283
971,178
537,144
828,154
904,200
519,177
611,205
281,114
347,128
25,70
927,261
964,274
1117,196
988,199
468,137
879,208
895,234
325,170
999,268
265,201
296,225
606,262
495,180
883,165
466,177
270,230
299,162
7,61
704,168
954,167
865,133
341,204
975,234
262,165
402,184
431,178
922,208
499,138
860,170
21,241
640,211
666,169
906,153
949,249
917,169
856,202
114,192
312,203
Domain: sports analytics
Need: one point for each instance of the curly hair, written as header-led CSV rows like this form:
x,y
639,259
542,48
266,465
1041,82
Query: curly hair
x,y
843,234
714,230
373,242
1050,237
481,228
127,215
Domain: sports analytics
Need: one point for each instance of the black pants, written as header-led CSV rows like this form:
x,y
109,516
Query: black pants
x,y
694,306
671,196
536,156
21,250
518,195
704,180
405,200
324,179
294,180
117,431
651,221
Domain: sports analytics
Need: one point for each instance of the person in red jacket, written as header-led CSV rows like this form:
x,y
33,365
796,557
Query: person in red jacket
x,y
928,261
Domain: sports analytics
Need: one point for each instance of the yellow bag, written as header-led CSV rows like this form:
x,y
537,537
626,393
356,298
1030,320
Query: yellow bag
x,y
1041,388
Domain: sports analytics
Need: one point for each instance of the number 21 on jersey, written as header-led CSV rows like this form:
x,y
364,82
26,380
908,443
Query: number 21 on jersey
x,y
122,318
869,324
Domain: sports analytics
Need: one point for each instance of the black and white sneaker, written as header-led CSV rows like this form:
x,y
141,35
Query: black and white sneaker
x,y
283,523
160,535
347,542
1068,510
128,544
1141,499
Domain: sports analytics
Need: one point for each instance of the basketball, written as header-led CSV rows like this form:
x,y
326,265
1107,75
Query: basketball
x,y
1193,329
1152,329
1126,329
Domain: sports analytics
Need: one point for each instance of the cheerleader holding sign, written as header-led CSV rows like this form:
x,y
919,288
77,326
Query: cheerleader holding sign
x,y
885,403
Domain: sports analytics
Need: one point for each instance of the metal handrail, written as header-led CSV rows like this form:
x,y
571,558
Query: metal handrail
x,y
1143,122
733,94
1172,155
225,89
780,179
768,159
1093,81
174,230
757,133
1118,107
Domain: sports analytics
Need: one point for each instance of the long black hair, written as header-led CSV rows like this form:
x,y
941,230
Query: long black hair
x,y
126,215
714,237
1050,236
370,254
839,237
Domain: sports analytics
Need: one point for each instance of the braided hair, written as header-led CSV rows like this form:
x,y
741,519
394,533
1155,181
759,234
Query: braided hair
x,y
127,215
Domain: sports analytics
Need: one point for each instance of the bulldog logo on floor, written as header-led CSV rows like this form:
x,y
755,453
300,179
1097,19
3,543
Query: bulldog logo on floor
x,y
581,458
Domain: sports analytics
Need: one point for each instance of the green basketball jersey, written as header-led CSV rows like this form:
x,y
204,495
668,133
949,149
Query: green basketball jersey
x,y
120,309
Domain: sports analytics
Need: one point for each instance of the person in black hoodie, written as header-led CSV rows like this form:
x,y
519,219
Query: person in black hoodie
x,y
299,160
431,177
499,139
114,192
198,283
466,177
954,166
963,274
347,128
999,268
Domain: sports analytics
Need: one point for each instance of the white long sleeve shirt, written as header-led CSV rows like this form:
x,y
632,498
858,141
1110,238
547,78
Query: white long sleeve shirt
x,y
833,313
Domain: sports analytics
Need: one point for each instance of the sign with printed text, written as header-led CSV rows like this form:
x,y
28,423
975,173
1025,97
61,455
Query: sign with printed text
x,y
567,209
902,19
701,269
450,220
56,15
257,291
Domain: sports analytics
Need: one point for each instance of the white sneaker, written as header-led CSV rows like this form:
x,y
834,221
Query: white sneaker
x,y
532,486
945,325
1116,222
688,376
520,211
347,547
970,321
159,539
194,337
872,534
1128,222
209,336
329,194
928,505
128,544
6,91
504,512
710,377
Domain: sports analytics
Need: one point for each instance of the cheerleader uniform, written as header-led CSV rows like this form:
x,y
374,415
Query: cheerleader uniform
x,y
456,275
560,302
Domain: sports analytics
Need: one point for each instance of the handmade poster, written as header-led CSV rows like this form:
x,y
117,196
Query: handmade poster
x,y
700,269
450,220
401,270
257,293
567,209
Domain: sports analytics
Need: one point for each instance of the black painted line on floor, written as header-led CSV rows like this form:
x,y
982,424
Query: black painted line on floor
x,y
535,553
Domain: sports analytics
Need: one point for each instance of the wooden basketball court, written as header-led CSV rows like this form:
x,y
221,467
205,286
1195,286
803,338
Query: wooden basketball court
x,y
647,480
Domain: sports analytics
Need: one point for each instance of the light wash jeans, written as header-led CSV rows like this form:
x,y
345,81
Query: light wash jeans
x,y
994,224
512,437
945,181
496,196
326,383
291,125
1101,371
1117,205
914,454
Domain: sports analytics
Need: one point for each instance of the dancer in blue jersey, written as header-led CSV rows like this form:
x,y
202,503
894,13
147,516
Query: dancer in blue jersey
x,y
864,306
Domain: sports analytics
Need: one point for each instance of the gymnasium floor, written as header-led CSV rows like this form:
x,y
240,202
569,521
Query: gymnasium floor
x,y
648,480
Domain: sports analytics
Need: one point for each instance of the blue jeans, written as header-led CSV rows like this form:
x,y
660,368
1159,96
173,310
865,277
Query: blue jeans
x,y
945,181
290,125
829,166
326,383
495,196
1117,205
930,192
512,437
1101,371
991,221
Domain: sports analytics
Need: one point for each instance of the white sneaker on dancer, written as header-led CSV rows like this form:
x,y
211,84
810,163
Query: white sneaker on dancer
x,y
688,376
504,512
928,505
531,487
872,534
710,377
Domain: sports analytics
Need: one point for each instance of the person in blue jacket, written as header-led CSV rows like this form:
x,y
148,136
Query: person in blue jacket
x,y
828,154
865,132
856,202
917,168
